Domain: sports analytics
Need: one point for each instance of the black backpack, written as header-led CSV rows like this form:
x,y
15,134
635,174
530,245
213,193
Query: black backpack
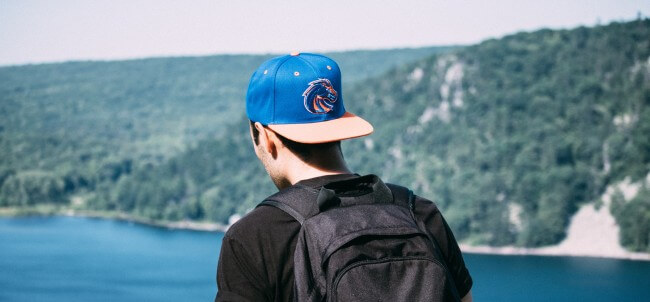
x,y
359,241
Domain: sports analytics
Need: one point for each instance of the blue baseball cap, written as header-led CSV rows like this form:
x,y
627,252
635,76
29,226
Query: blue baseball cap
x,y
299,96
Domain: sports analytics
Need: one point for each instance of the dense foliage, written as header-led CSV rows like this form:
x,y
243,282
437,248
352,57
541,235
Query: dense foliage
x,y
509,137
633,216
127,135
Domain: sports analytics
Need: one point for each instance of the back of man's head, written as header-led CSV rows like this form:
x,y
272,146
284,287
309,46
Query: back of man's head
x,y
306,152
299,96
297,117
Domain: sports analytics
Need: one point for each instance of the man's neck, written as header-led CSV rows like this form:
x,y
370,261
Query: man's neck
x,y
316,173
298,170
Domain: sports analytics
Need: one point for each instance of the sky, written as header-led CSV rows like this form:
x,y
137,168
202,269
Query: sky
x,y
37,31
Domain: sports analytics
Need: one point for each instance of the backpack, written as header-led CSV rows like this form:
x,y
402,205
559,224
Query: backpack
x,y
359,241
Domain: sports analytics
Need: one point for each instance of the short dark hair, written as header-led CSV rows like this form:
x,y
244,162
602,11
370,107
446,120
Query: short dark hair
x,y
302,150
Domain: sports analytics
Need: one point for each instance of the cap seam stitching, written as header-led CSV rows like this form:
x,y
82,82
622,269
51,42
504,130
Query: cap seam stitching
x,y
310,66
275,76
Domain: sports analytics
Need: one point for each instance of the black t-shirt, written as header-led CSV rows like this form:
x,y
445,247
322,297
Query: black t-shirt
x,y
256,261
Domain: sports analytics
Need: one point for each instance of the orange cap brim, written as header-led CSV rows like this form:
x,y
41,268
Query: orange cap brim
x,y
347,126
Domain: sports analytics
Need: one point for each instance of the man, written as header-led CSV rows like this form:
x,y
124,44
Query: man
x,y
297,120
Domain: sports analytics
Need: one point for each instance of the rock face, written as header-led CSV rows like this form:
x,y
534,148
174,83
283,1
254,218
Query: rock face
x,y
592,232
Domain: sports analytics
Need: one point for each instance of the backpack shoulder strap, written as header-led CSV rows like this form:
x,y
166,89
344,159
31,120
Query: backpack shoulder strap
x,y
402,196
295,201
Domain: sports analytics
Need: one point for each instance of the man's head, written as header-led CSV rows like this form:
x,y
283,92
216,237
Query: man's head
x,y
295,104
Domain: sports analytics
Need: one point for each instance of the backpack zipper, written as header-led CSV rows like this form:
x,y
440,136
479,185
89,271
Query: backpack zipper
x,y
376,261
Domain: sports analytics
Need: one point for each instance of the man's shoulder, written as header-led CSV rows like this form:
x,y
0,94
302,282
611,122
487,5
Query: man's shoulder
x,y
425,204
422,205
426,210
262,221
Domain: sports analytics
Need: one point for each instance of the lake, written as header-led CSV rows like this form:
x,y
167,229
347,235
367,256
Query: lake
x,y
86,259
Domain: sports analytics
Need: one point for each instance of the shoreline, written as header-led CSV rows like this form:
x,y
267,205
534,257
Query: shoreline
x,y
203,226
189,225
549,251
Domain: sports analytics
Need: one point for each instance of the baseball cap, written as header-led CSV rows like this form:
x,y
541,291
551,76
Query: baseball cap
x,y
299,97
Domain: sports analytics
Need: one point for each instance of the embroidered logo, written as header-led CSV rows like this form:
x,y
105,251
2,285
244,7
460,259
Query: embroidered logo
x,y
319,96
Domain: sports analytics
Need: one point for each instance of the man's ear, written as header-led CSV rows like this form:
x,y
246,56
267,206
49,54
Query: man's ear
x,y
265,139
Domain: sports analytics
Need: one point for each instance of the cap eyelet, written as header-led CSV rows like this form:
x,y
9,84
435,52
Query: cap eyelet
x,y
266,71
296,73
329,67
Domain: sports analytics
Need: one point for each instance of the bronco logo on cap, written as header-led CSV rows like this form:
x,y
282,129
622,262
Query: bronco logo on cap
x,y
319,96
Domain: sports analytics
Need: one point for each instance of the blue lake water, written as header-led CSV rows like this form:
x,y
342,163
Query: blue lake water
x,y
83,259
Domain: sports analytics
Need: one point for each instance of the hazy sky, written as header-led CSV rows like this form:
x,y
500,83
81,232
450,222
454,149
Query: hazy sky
x,y
47,30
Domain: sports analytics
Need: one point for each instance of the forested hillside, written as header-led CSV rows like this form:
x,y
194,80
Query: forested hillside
x,y
509,137
73,129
